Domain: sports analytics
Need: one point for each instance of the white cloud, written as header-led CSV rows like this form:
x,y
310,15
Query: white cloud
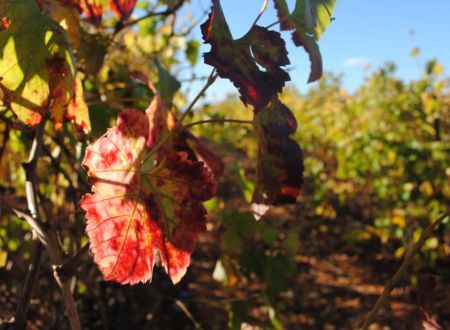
x,y
357,61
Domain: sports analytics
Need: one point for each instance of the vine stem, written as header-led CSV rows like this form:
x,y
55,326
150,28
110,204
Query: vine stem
x,y
44,237
219,121
263,9
211,79
402,269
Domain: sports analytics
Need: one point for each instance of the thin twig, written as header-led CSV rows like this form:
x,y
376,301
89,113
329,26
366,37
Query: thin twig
x,y
218,121
37,227
275,23
59,169
181,305
70,266
167,12
20,316
402,269
263,9
211,79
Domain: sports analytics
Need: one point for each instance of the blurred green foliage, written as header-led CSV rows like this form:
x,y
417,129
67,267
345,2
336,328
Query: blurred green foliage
x,y
380,154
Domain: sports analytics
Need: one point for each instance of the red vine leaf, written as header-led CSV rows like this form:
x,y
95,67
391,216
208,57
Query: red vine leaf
x,y
162,121
240,60
203,152
93,9
140,212
280,160
122,8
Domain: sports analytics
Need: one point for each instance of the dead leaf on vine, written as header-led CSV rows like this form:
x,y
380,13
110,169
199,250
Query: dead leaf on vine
x,y
240,60
280,160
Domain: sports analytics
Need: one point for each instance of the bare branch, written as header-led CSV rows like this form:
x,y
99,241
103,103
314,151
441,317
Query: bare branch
x,y
263,9
402,269
45,238
219,121
20,317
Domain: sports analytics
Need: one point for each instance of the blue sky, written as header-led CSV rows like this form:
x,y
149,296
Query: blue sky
x,y
363,32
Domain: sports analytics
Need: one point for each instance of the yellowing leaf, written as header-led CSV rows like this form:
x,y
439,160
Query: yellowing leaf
x,y
67,14
78,110
36,64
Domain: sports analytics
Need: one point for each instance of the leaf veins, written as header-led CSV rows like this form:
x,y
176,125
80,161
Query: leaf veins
x,y
138,212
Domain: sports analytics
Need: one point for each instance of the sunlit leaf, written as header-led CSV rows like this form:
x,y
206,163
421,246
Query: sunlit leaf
x,y
36,64
138,212
67,14
192,50
77,110
167,85
308,21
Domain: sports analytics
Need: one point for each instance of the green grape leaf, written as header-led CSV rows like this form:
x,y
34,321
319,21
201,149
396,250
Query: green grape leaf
x,y
167,85
308,21
192,51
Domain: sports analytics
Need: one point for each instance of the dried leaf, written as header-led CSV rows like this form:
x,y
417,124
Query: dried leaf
x,y
280,160
240,60
140,212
